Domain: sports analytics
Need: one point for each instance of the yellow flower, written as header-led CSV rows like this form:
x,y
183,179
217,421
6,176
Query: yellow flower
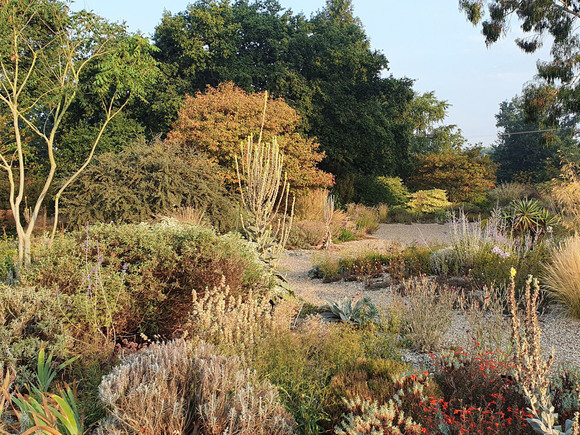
x,y
513,272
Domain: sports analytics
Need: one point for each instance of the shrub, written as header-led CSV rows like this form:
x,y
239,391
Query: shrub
x,y
149,270
407,400
219,317
30,319
564,387
506,193
562,277
480,381
150,392
305,234
403,215
442,261
366,417
395,191
216,121
466,176
428,201
371,191
144,180
312,365
426,309
366,219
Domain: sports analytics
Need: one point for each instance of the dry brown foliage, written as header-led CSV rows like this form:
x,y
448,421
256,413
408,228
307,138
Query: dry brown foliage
x,y
563,275
178,387
426,309
566,194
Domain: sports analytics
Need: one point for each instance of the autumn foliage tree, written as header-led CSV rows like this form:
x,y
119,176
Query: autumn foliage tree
x,y
465,175
218,120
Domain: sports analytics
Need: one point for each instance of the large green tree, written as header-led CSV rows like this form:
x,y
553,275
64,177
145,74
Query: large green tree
x,y
45,50
426,114
532,151
323,66
556,19
212,42
354,111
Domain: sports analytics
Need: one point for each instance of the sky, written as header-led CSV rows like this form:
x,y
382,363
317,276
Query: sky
x,y
428,41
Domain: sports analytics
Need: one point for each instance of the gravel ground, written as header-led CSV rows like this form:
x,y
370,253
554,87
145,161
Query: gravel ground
x,y
559,333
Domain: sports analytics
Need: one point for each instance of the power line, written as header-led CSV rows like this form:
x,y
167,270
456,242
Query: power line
x,y
528,132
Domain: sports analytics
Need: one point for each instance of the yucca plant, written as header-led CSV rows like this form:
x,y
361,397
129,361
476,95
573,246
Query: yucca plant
x,y
529,217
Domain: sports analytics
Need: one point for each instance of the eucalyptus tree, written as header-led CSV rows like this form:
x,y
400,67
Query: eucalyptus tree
x,y
48,57
554,20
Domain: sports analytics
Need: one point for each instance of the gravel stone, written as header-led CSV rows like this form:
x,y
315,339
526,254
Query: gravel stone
x,y
559,333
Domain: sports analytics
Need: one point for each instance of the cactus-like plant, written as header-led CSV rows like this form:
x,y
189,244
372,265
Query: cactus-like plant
x,y
351,309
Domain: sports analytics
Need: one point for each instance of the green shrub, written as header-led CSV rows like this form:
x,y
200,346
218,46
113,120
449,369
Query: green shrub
x,y
345,235
30,318
312,367
147,179
402,215
428,201
372,191
145,272
8,253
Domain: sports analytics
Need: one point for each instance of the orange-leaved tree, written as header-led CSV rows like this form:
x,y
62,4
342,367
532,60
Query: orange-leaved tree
x,y
465,175
218,120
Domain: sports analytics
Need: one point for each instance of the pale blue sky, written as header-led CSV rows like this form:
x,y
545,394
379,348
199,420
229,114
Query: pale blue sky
x,y
426,40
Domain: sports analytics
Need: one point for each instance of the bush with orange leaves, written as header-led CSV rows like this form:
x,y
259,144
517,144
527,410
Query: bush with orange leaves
x,y
215,122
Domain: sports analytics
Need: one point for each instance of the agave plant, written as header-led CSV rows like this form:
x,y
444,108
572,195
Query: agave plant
x,y
351,309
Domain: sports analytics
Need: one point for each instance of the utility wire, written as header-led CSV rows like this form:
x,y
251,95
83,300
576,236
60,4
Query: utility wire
x,y
528,132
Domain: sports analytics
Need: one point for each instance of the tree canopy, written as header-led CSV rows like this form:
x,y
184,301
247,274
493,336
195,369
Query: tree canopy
x,y
532,151
538,19
426,114
218,120
45,52
323,67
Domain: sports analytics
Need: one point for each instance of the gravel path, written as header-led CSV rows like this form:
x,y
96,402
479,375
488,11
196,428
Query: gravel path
x,y
559,333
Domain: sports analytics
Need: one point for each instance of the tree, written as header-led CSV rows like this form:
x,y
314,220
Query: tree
x,y
531,151
465,175
424,113
145,179
44,52
217,121
217,41
323,67
353,110
538,18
